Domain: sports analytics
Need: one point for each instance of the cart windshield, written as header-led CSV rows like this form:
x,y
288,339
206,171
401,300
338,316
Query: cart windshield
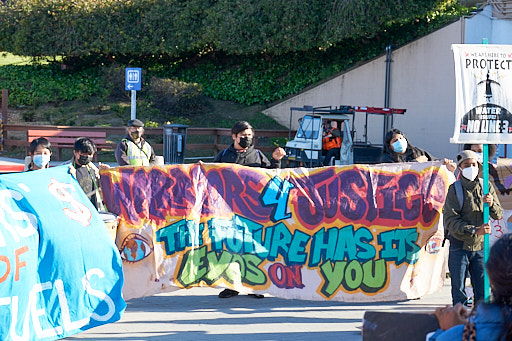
x,y
310,127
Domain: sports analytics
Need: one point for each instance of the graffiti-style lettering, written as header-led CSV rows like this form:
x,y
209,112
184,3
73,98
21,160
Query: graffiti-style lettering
x,y
406,199
194,266
434,190
161,197
276,194
399,245
387,210
288,277
180,235
312,208
352,204
373,198
240,235
290,246
237,235
370,276
199,266
353,226
341,244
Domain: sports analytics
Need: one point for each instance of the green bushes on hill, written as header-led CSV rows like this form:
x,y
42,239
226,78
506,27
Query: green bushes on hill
x,y
33,85
244,51
139,28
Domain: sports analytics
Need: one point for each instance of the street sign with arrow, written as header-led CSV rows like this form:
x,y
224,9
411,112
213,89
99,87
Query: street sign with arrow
x,y
133,78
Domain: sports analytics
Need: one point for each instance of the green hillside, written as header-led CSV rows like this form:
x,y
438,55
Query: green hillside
x,y
77,78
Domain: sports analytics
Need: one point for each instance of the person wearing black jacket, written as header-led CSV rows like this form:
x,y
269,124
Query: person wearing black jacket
x,y
242,152
398,149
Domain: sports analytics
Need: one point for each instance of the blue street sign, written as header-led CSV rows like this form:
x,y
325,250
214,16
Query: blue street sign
x,y
133,78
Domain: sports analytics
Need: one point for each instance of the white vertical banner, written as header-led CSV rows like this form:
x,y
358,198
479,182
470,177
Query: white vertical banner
x,y
483,76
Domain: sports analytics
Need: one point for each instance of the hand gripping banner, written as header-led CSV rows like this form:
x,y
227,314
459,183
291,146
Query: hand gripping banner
x,y
354,233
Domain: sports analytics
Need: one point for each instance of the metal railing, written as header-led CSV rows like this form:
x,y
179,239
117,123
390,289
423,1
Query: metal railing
x,y
204,142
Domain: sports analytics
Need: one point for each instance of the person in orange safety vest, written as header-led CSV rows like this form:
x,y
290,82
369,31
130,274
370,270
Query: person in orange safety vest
x,y
331,143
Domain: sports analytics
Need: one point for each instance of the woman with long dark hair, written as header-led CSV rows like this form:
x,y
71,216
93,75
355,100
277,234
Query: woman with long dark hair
x,y
398,149
488,321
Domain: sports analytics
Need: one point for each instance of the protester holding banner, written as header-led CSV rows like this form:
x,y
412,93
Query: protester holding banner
x,y
133,149
40,153
488,321
85,172
242,151
465,228
398,149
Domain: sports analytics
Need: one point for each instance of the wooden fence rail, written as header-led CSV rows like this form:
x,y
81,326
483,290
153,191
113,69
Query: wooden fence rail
x,y
213,139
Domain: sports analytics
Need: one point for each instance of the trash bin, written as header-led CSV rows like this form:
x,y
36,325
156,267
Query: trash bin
x,y
175,139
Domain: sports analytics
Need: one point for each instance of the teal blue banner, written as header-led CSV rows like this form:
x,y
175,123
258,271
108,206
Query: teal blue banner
x,y
60,272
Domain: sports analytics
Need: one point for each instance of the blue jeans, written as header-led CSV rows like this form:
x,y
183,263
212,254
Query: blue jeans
x,y
459,262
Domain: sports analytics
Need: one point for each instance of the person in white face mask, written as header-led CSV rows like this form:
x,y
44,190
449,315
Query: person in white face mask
x,y
398,149
465,228
40,153
493,171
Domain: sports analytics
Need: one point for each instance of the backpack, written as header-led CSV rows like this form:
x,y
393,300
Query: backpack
x,y
459,193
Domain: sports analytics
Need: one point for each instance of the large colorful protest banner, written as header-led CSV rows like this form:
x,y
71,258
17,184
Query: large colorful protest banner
x,y
353,233
483,76
60,272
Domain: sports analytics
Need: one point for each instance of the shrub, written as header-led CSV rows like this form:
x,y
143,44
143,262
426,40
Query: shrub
x,y
175,98
148,28
37,84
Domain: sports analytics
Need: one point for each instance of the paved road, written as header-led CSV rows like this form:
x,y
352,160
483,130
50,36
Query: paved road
x,y
198,314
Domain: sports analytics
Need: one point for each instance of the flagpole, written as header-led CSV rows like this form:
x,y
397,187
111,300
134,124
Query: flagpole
x,y
486,218
486,210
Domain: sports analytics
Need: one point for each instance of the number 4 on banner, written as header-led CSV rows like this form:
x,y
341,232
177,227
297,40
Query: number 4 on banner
x,y
277,193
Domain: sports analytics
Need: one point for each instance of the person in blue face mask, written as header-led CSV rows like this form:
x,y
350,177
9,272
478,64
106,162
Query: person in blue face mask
x,y
478,149
398,149
40,153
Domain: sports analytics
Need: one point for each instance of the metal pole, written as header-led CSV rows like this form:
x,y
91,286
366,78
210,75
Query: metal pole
x,y
3,117
486,211
486,218
134,105
387,85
